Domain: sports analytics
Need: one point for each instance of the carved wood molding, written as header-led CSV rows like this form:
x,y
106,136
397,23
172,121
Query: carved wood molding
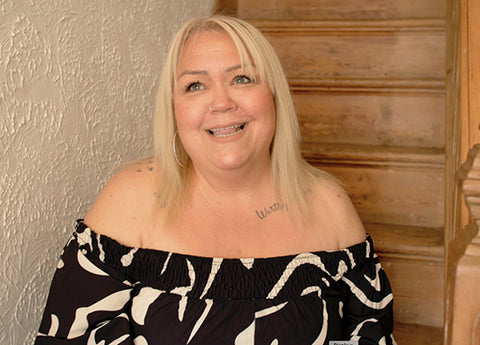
x,y
323,153
368,85
469,174
336,26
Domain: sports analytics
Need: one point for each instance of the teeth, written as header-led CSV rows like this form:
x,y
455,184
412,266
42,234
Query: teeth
x,y
239,126
225,128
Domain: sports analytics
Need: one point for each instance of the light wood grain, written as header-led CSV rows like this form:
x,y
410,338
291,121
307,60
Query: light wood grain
x,y
411,334
403,196
409,241
418,290
372,118
362,55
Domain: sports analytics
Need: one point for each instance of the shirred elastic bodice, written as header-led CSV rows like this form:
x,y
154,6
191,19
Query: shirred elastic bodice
x,y
248,278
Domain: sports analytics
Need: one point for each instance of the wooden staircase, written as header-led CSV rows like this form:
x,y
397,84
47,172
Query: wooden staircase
x,y
368,82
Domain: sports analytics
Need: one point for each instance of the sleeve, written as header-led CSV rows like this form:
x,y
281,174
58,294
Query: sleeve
x,y
86,302
368,309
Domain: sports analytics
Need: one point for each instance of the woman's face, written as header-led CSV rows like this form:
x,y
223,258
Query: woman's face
x,y
225,115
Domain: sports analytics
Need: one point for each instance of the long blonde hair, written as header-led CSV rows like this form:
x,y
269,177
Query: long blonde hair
x,y
291,175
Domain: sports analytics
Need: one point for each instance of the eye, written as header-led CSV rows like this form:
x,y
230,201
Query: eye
x,y
195,86
242,79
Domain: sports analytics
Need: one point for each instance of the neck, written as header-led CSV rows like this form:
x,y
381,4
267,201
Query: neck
x,y
234,185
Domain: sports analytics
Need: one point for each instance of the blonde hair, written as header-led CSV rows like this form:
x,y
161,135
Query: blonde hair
x,y
291,175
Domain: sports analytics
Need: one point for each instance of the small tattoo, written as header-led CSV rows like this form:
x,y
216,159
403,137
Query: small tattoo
x,y
278,206
148,168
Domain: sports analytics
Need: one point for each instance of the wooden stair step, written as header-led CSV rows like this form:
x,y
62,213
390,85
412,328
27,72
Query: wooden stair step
x,y
388,185
311,56
359,120
407,240
411,334
413,259
411,196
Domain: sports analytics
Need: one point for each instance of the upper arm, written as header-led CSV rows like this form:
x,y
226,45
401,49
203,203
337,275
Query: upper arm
x,y
349,217
339,214
125,204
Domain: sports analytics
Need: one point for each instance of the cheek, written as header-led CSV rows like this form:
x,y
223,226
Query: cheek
x,y
266,102
272,117
186,116
267,107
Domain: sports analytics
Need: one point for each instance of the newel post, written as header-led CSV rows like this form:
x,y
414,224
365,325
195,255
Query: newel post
x,y
466,299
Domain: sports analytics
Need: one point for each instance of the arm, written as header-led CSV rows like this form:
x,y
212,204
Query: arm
x,y
336,219
127,203
368,310
86,297
367,313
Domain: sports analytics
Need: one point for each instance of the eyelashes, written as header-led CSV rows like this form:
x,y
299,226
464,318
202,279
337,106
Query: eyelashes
x,y
240,79
194,86
243,79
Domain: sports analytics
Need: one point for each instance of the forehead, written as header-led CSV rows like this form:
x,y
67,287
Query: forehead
x,y
212,47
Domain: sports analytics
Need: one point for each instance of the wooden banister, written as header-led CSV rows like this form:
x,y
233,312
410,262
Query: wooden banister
x,y
462,314
465,329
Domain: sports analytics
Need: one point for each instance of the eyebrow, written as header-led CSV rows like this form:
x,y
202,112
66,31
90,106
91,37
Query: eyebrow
x,y
193,72
199,72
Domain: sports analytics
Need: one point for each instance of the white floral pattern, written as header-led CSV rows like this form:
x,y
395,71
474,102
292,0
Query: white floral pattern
x,y
106,293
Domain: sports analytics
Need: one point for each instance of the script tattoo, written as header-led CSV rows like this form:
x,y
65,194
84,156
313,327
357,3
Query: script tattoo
x,y
278,206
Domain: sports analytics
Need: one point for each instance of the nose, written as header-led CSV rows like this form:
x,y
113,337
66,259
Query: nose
x,y
221,100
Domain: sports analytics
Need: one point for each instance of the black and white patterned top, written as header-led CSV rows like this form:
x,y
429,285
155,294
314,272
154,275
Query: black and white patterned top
x,y
106,293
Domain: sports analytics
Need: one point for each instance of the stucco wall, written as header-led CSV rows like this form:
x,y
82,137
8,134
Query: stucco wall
x,y
77,83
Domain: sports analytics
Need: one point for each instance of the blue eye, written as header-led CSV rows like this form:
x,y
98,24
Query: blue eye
x,y
242,79
195,86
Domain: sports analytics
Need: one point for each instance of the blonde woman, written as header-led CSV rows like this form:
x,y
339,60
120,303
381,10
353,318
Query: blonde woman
x,y
226,236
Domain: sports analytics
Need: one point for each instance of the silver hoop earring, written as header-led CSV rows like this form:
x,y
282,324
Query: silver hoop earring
x,y
174,144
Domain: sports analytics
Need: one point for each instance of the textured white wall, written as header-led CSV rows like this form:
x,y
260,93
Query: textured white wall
x,y
77,84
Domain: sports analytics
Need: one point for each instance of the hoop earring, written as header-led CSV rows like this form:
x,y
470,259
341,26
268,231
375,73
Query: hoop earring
x,y
174,141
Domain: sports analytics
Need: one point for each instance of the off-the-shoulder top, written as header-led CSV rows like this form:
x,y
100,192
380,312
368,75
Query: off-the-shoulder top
x,y
107,293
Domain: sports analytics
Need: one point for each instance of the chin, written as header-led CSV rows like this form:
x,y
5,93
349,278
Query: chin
x,y
230,162
229,165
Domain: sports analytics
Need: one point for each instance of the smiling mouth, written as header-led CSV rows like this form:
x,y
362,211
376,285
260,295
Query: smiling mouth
x,y
227,131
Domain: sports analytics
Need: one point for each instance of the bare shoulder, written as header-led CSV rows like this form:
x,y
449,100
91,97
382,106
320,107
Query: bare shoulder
x,y
124,207
337,213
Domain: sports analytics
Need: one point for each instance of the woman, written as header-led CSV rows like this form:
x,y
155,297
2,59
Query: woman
x,y
226,236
